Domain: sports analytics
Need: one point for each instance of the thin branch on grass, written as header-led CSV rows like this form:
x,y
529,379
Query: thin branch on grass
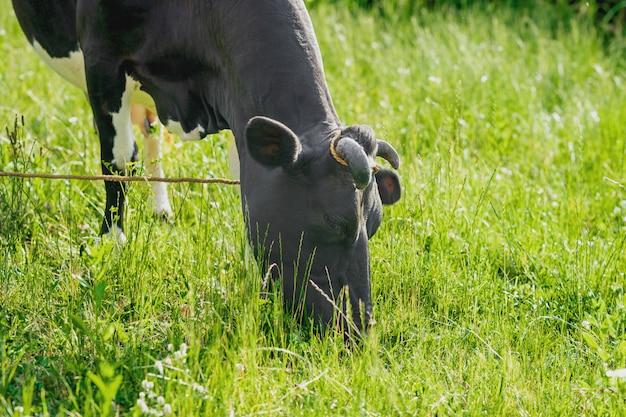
x,y
612,181
303,385
278,349
475,334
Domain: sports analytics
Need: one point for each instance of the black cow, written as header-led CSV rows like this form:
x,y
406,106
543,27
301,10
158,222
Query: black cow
x,y
311,190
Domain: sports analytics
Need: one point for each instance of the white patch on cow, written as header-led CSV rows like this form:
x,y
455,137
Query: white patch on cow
x,y
71,68
233,158
154,168
177,129
124,141
145,118
161,200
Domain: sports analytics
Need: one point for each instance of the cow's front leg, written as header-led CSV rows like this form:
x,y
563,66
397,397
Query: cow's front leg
x,y
110,101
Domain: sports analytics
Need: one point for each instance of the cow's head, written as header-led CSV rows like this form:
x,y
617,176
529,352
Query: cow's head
x,y
312,210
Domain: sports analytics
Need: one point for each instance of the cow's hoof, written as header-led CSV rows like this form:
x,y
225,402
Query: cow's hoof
x,y
166,217
116,234
162,209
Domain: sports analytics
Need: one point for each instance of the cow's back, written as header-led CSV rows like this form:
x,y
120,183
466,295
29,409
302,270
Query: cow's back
x,y
50,26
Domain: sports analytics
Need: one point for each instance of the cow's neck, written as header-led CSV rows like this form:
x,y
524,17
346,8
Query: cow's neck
x,y
279,75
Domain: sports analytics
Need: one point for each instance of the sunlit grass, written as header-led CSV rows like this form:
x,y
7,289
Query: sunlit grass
x,y
498,279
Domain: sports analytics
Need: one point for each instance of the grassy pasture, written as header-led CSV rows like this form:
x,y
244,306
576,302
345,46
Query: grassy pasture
x,y
498,279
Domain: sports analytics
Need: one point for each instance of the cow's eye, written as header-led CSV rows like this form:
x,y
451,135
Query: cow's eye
x,y
333,225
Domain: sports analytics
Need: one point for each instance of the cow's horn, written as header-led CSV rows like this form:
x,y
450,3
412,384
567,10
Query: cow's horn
x,y
352,154
387,152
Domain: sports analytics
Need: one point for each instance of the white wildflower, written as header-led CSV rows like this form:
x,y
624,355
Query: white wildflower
x,y
143,406
147,385
167,409
182,352
198,387
159,366
435,80
160,400
616,373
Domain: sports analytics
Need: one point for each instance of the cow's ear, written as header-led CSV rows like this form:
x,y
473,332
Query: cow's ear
x,y
388,186
271,142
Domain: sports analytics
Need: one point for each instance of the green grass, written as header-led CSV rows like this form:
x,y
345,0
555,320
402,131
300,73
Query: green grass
x,y
498,279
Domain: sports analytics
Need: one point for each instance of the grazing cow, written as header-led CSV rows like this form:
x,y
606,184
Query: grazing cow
x,y
311,190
